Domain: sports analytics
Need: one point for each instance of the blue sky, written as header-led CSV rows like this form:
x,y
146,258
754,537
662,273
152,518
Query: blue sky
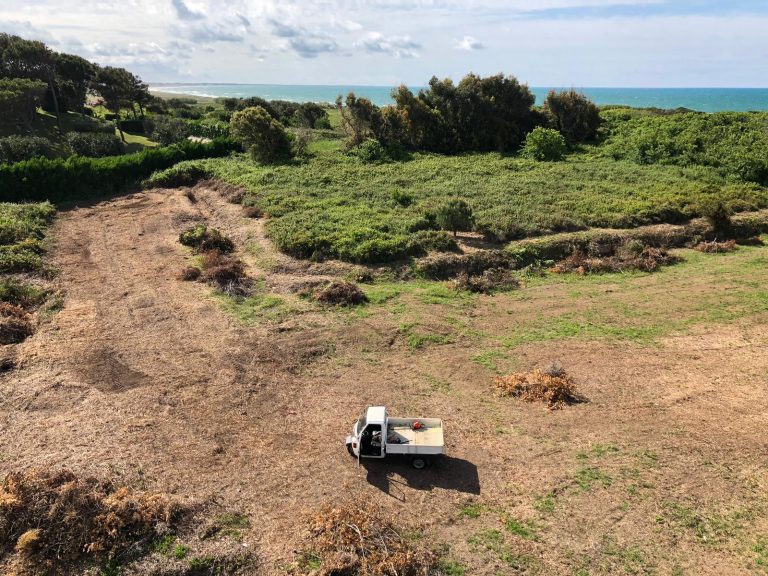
x,y
578,43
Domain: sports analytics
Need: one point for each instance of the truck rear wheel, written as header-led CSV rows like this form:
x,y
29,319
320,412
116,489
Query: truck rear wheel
x,y
419,463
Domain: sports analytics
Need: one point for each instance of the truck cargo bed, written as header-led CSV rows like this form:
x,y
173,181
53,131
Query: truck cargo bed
x,y
403,439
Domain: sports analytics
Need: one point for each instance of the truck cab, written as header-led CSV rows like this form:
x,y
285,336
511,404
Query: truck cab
x,y
376,435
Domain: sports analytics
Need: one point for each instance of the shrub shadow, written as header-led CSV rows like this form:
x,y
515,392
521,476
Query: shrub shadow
x,y
391,475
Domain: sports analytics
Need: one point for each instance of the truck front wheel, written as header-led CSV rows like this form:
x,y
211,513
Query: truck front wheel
x,y
419,463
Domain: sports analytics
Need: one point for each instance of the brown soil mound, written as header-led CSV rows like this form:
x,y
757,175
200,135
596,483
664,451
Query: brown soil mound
x,y
554,387
359,540
55,520
648,259
716,247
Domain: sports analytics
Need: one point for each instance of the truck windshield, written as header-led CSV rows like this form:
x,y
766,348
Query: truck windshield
x,y
361,422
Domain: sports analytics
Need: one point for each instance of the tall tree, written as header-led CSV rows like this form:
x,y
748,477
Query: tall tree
x,y
115,85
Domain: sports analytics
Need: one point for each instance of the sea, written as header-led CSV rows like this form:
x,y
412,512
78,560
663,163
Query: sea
x,y
702,99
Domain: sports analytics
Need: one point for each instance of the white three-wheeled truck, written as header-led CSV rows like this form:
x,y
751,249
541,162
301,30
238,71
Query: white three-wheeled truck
x,y
377,435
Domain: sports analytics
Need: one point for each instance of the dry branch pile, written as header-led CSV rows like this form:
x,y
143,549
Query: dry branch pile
x,y
648,259
357,540
15,323
335,292
52,521
716,247
553,386
490,281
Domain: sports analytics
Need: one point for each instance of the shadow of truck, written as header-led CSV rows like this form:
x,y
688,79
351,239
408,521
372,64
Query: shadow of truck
x,y
392,475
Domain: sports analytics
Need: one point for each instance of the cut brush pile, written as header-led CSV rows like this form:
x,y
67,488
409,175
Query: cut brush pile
x,y
51,522
357,540
716,247
553,386
647,259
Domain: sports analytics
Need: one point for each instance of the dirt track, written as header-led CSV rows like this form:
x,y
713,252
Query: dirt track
x,y
143,376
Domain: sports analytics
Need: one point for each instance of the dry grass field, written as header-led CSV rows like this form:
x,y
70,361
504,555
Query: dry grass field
x,y
163,385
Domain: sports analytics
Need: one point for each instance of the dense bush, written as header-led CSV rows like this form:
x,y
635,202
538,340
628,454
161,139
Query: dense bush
x,y
90,125
264,137
482,114
78,177
544,144
167,130
311,115
182,174
208,128
455,216
95,145
736,144
573,114
133,126
18,148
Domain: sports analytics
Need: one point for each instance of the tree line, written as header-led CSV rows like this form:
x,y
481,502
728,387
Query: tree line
x,y
33,75
494,113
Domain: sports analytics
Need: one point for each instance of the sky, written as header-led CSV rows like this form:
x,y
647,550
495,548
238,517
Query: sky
x,y
578,43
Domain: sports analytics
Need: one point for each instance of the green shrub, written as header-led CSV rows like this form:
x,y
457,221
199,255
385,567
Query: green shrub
x,y
432,240
19,294
573,114
371,151
167,130
20,148
264,137
95,145
455,216
402,198
182,174
544,144
203,239
209,128
79,178
734,143
718,213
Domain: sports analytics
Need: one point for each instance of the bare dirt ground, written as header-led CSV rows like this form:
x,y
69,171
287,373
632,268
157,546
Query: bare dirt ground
x,y
144,377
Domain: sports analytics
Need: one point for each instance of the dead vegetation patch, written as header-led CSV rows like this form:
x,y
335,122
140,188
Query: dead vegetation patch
x,y
716,247
203,239
552,386
490,281
15,323
333,292
190,274
358,540
629,257
447,266
51,522
226,273
252,212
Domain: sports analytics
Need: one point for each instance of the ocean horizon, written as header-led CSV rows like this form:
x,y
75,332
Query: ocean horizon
x,y
701,99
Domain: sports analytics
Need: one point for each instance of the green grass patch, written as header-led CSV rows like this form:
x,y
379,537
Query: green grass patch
x,y
588,476
22,232
258,307
416,338
523,529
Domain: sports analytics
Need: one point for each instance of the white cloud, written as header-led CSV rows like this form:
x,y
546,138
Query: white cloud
x,y
468,43
397,46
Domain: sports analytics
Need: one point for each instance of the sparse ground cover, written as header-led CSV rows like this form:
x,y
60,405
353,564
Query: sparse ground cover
x,y
659,471
158,373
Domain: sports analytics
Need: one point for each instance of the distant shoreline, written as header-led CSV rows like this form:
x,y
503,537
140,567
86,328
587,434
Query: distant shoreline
x,y
701,99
